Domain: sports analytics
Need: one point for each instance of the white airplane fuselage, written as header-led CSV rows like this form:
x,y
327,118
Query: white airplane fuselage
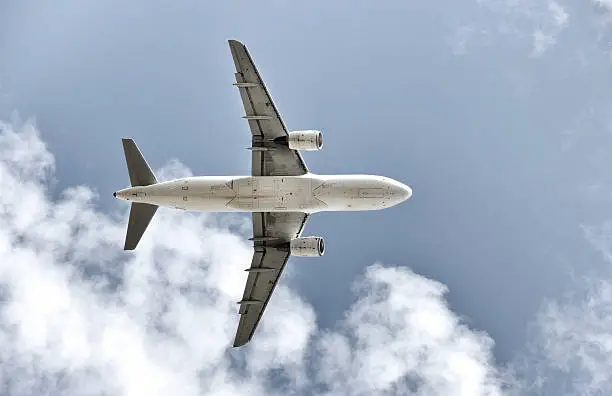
x,y
308,193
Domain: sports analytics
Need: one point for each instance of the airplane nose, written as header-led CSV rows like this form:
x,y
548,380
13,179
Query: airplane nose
x,y
403,192
400,191
115,194
406,193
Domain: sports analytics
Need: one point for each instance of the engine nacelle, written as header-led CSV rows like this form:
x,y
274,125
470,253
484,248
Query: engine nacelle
x,y
305,140
307,246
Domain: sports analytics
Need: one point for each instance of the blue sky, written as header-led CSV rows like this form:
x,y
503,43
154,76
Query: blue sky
x,y
497,113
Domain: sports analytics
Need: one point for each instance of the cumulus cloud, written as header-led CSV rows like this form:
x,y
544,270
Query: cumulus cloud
x,y
399,335
80,316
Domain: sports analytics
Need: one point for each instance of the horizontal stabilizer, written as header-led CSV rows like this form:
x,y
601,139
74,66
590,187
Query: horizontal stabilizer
x,y
140,217
140,172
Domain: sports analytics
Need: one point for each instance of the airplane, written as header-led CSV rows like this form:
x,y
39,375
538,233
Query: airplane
x,y
281,193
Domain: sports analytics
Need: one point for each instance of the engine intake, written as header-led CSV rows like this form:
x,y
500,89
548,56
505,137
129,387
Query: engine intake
x,y
307,246
305,140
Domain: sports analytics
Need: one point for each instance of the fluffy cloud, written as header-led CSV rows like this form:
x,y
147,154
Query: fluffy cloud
x,y
81,317
581,331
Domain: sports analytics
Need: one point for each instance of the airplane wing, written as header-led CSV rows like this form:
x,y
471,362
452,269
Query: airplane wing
x,y
264,120
269,229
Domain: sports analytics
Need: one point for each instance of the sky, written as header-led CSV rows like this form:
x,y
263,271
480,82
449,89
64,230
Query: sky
x,y
493,279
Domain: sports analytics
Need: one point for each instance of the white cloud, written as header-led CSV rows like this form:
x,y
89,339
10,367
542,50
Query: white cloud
x,y
553,21
572,344
570,352
603,4
468,37
540,21
81,317
399,332
541,42
557,14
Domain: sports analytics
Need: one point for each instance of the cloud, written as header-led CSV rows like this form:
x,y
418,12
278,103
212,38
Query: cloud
x,y
79,316
552,22
468,37
540,21
570,351
602,18
400,333
603,5
541,42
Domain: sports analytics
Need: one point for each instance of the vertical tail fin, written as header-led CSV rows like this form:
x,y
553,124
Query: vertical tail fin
x,y
140,175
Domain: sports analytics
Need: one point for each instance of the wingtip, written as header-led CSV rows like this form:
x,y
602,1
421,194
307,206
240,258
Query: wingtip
x,y
129,246
235,42
238,344
240,340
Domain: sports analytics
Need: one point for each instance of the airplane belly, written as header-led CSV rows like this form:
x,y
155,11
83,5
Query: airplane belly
x,y
193,193
274,194
309,193
353,193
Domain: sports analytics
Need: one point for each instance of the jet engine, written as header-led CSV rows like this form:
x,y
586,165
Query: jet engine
x,y
307,246
305,140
